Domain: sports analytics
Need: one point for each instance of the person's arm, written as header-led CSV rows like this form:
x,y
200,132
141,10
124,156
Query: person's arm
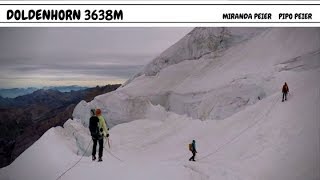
x,y
90,125
106,129
107,125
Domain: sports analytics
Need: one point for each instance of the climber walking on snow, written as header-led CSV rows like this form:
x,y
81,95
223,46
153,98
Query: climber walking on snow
x,y
285,90
192,148
98,130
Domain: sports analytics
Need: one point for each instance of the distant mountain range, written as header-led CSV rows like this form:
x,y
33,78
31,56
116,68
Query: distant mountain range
x,y
25,118
15,92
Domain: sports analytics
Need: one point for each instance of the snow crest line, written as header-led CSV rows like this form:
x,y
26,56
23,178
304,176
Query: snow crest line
x,y
242,132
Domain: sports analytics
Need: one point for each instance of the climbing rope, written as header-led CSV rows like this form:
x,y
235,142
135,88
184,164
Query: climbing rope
x,y
76,162
242,132
107,139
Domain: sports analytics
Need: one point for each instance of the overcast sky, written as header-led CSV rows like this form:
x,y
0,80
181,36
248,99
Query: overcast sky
x,y
35,57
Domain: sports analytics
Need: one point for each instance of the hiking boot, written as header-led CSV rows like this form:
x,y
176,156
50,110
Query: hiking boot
x,y
94,158
100,159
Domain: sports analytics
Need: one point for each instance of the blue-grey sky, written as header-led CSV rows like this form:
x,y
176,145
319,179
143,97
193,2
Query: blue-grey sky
x,y
35,57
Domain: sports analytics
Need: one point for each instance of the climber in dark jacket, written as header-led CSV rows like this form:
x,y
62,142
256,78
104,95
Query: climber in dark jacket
x,y
96,135
193,150
285,90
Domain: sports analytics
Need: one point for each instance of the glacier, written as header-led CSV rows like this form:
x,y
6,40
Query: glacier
x,y
219,86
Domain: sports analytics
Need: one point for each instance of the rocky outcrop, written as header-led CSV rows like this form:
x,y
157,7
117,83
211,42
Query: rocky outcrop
x,y
26,118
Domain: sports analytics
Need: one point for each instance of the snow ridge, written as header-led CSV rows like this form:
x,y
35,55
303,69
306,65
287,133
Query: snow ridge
x,y
238,72
196,44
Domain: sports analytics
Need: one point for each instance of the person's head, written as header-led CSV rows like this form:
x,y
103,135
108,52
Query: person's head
x,y
193,141
285,83
98,112
92,112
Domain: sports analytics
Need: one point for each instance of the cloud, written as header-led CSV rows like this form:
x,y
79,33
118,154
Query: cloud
x,y
42,55
65,71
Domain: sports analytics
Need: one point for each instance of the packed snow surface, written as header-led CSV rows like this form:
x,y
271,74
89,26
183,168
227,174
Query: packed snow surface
x,y
227,98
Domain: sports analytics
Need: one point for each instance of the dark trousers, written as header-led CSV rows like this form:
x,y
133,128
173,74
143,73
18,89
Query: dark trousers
x,y
193,156
94,148
284,96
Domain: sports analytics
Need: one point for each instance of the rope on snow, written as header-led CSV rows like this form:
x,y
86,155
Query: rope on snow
x,y
110,151
242,132
75,163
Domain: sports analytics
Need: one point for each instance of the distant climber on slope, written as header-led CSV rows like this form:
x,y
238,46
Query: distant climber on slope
x,y
285,90
98,130
192,148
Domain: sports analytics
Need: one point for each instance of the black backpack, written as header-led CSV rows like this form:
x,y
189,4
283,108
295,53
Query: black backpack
x,y
93,126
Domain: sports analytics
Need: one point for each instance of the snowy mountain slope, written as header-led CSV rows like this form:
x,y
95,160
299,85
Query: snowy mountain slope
x,y
198,43
213,86
214,100
268,140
